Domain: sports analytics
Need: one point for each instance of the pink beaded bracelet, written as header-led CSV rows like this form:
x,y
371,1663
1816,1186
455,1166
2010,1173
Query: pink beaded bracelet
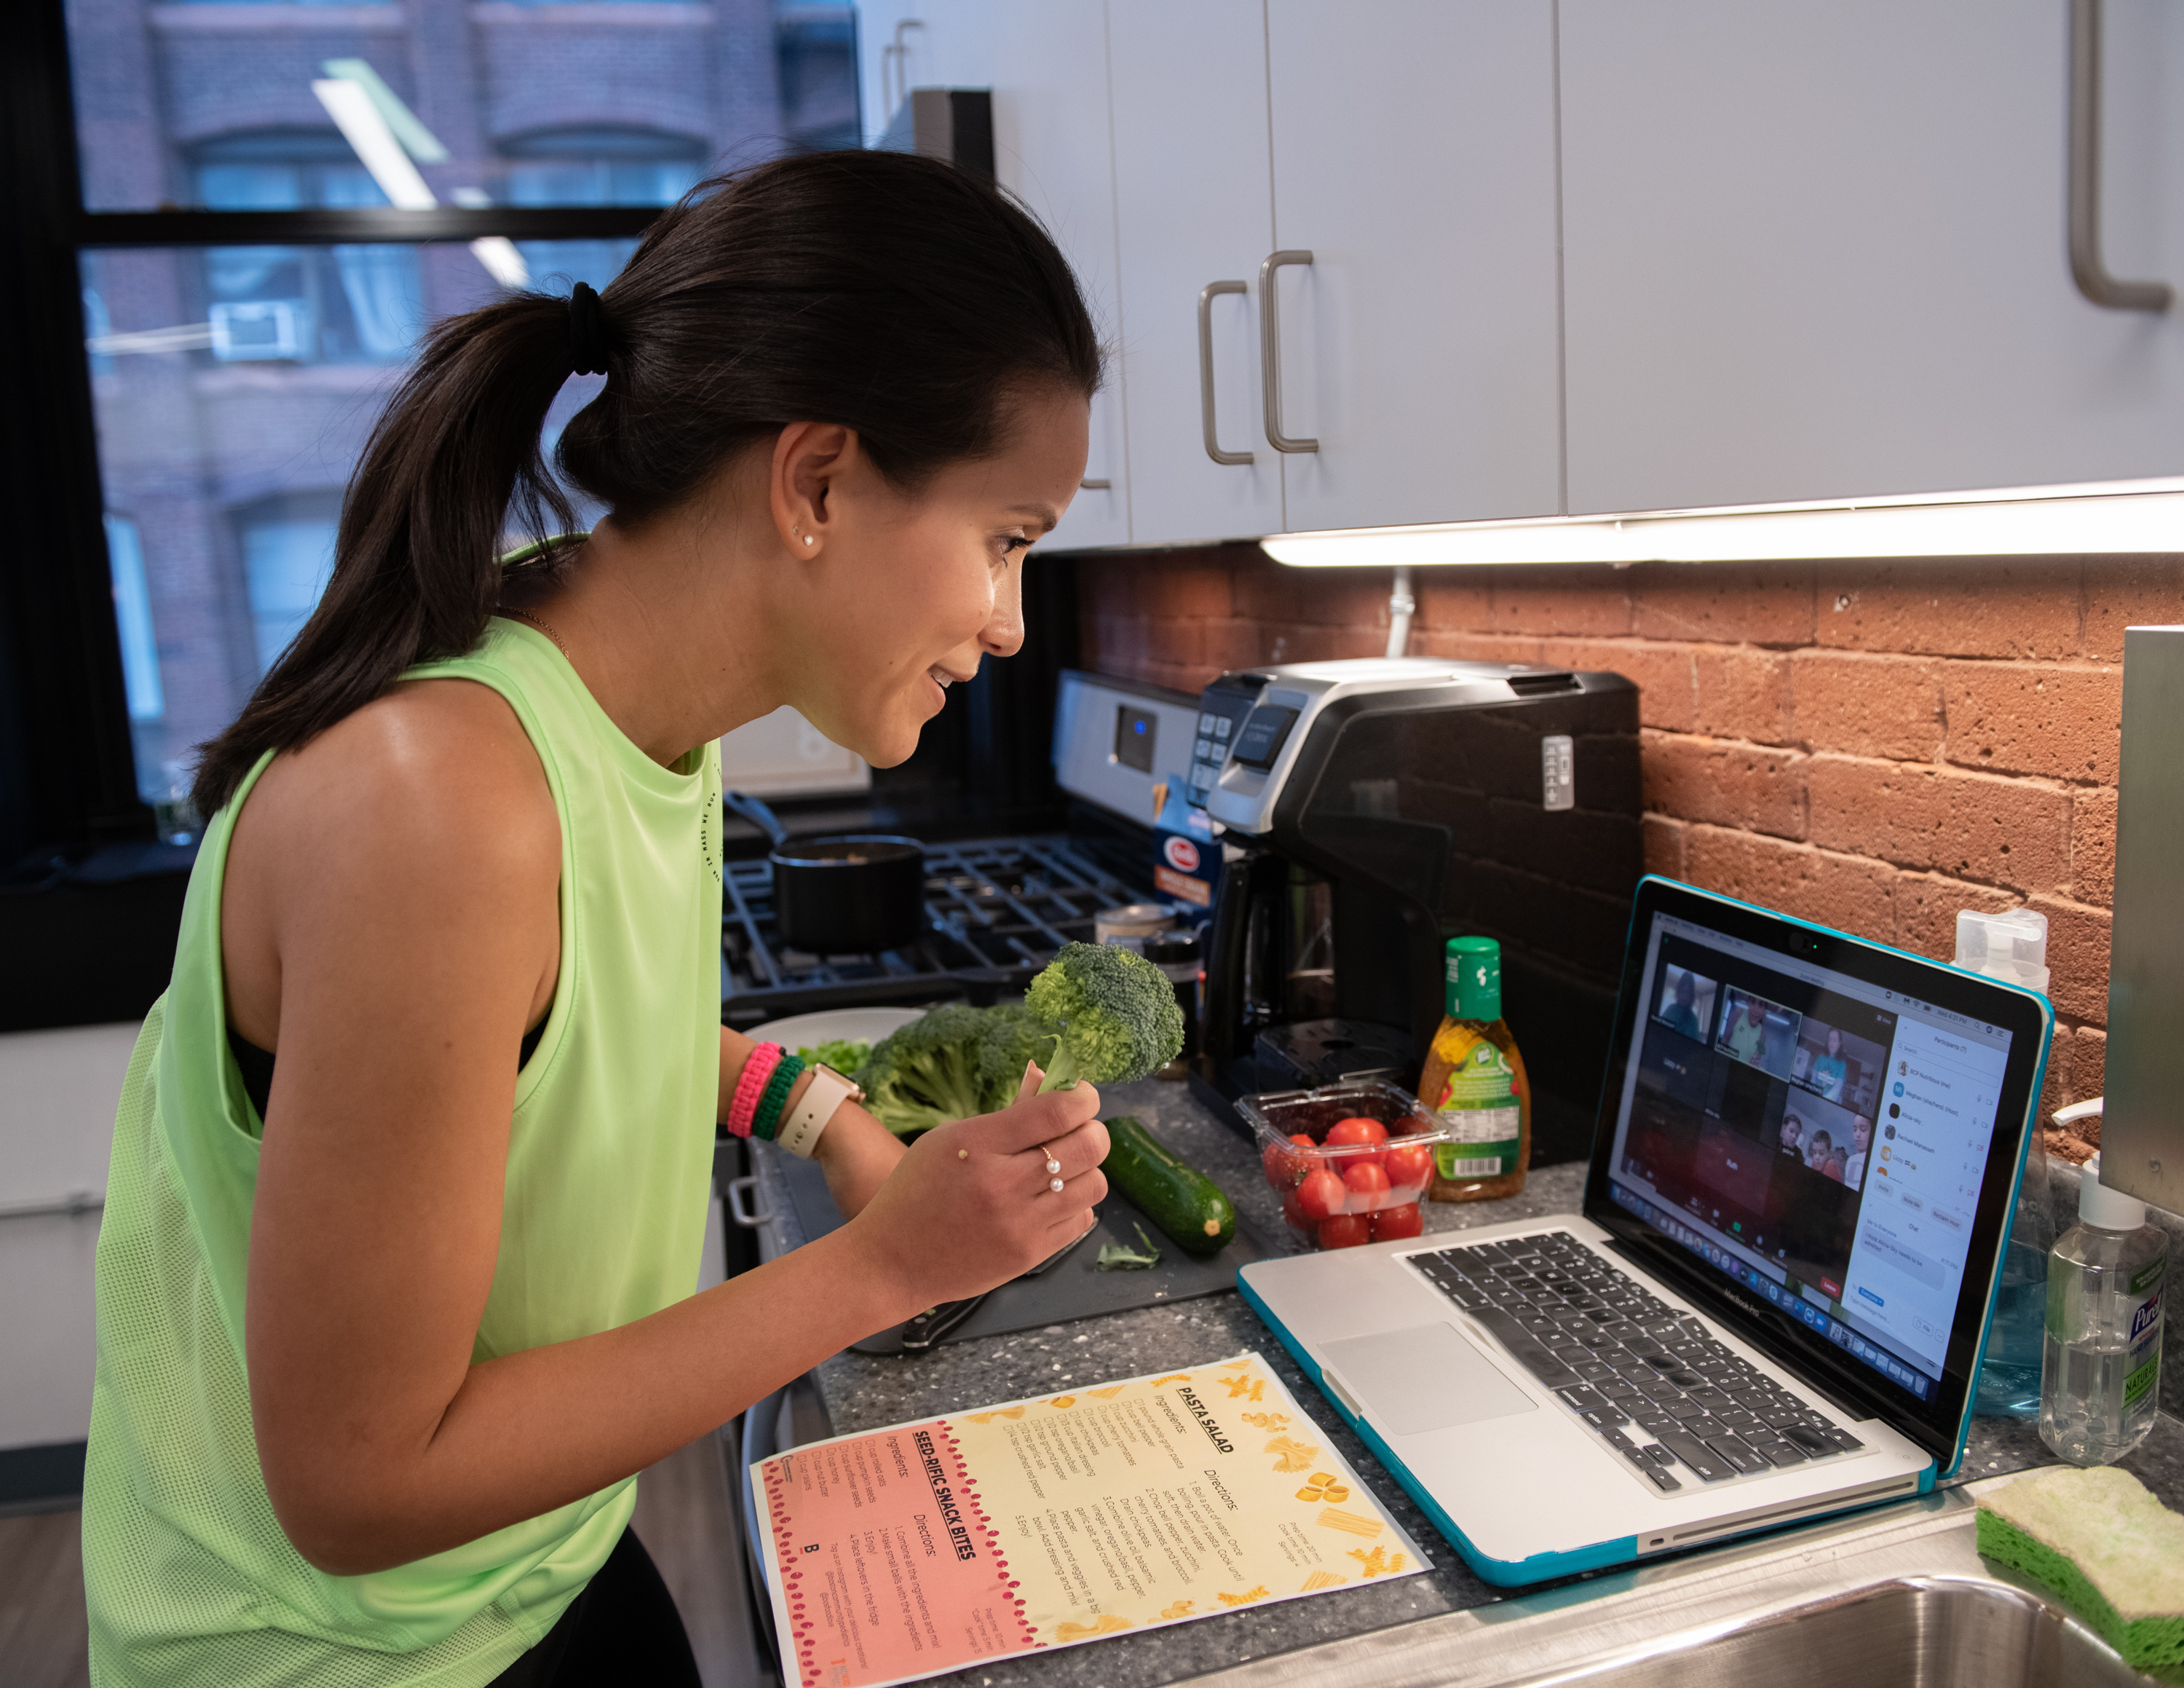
x,y
750,1085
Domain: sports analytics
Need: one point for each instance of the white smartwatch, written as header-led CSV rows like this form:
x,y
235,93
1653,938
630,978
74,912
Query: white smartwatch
x,y
828,1090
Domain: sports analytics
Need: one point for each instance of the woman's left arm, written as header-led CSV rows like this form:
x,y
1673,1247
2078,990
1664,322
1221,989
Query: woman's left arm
x,y
856,1151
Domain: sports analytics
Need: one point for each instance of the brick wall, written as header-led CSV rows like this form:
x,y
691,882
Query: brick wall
x,y
1871,745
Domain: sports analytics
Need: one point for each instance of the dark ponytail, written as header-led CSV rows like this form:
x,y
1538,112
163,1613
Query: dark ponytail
x,y
887,293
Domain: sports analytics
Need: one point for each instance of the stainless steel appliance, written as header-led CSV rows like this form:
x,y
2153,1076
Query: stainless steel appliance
x,y
1368,810
2143,1131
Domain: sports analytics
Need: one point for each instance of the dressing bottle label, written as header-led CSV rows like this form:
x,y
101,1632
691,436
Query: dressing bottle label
x,y
1478,1105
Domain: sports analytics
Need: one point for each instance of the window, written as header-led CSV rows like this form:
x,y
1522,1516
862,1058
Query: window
x,y
288,553
302,303
604,166
132,616
266,203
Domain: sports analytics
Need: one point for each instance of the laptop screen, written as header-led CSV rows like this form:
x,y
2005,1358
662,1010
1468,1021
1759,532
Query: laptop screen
x,y
1808,1119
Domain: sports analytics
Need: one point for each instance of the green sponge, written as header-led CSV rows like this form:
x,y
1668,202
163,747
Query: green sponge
x,y
2099,1540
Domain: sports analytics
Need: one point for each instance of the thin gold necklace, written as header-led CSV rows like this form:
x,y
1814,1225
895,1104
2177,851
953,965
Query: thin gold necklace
x,y
526,615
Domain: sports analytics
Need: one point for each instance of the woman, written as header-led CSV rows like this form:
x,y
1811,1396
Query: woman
x,y
410,1169
1831,1070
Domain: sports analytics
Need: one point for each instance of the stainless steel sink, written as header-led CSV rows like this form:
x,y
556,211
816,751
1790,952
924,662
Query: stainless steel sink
x,y
1894,1598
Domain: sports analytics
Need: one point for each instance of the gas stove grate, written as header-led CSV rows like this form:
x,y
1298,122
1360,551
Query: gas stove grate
x,y
996,911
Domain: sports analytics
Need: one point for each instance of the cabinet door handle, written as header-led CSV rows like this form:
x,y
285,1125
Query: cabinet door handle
x,y
1270,359
2087,267
1095,486
1212,291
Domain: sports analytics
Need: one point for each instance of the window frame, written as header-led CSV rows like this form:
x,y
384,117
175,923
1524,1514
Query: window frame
x,y
68,782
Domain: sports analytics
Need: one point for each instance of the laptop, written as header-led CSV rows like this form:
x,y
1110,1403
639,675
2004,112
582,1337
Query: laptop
x,y
1773,1303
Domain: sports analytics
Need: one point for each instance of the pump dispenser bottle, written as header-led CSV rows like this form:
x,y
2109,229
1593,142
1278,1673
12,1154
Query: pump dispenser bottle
x,y
2100,1370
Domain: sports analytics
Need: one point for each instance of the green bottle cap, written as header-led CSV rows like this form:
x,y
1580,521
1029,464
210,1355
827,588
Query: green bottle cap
x,y
1474,979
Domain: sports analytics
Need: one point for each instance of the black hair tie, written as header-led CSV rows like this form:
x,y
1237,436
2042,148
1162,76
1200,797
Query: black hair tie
x,y
587,331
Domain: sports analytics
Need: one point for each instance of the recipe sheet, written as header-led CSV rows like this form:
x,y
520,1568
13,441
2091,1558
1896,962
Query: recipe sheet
x,y
921,1548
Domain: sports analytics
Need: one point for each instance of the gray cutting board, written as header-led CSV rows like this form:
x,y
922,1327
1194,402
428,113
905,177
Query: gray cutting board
x,y
1072,1289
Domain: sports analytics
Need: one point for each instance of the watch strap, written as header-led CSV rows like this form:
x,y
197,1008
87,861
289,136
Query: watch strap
x,y
828,1090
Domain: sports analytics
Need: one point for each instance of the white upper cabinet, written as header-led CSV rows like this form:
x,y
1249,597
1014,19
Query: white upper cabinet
x,y
1194,208
1817,250
1414,159
1046,66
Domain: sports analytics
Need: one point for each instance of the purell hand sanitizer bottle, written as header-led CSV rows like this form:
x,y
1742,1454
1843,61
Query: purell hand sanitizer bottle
x,y
2100,1374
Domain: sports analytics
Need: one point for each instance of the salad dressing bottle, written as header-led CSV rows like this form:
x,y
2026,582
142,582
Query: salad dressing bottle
x,y
1474,1081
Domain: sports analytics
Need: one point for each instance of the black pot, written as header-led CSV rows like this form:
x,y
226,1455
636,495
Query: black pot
x,y
846,894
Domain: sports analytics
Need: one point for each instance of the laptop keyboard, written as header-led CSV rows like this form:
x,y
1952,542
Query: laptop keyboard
x,y
1662,1391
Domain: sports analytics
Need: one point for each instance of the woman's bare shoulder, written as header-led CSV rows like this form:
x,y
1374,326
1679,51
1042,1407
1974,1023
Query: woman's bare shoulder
x,y
437,776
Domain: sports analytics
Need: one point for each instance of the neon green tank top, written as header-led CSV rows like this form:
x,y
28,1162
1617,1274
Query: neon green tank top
x,y
189,1578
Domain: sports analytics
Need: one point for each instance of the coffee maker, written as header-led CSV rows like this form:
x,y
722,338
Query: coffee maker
x,y
1368,810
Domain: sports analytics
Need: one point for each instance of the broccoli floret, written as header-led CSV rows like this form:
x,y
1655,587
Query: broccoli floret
x,y
926,1073
1012,1039
1113,1013
844,1055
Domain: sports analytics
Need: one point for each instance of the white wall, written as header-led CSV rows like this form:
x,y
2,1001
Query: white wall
x,y
58,1093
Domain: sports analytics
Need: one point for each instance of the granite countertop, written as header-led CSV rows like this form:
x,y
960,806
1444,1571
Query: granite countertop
x,y
865,1393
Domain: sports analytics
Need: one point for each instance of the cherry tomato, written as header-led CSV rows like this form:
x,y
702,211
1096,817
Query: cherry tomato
x,y
1320,1194
1293,1211
1344,1231
1408,1165
1285,1167
1390,1222
1368,1187
1358,1129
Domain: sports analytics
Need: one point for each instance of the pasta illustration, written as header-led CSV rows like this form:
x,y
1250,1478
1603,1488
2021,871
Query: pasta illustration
x,y
1107,1625
1379,1563
1323,1486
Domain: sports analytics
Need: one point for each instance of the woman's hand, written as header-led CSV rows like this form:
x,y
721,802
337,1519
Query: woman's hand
x,y
857,1153
972,1203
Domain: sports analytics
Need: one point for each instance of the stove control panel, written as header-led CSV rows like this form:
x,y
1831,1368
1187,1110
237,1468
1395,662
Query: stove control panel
x,y
1121,743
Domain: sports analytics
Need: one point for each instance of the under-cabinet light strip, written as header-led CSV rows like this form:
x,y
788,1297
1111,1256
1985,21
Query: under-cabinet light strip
x,y
2111,516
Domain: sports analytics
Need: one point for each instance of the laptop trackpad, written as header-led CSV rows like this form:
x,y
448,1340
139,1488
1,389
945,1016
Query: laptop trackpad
x,y
1427,1377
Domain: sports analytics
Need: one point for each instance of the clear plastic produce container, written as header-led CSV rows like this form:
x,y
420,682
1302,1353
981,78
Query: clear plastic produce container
x,y
1357,1188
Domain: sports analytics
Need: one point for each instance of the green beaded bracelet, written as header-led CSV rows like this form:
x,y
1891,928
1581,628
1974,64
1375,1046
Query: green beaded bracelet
x,y
765,1119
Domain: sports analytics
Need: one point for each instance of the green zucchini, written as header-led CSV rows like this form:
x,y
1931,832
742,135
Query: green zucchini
x,y
1175,1195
